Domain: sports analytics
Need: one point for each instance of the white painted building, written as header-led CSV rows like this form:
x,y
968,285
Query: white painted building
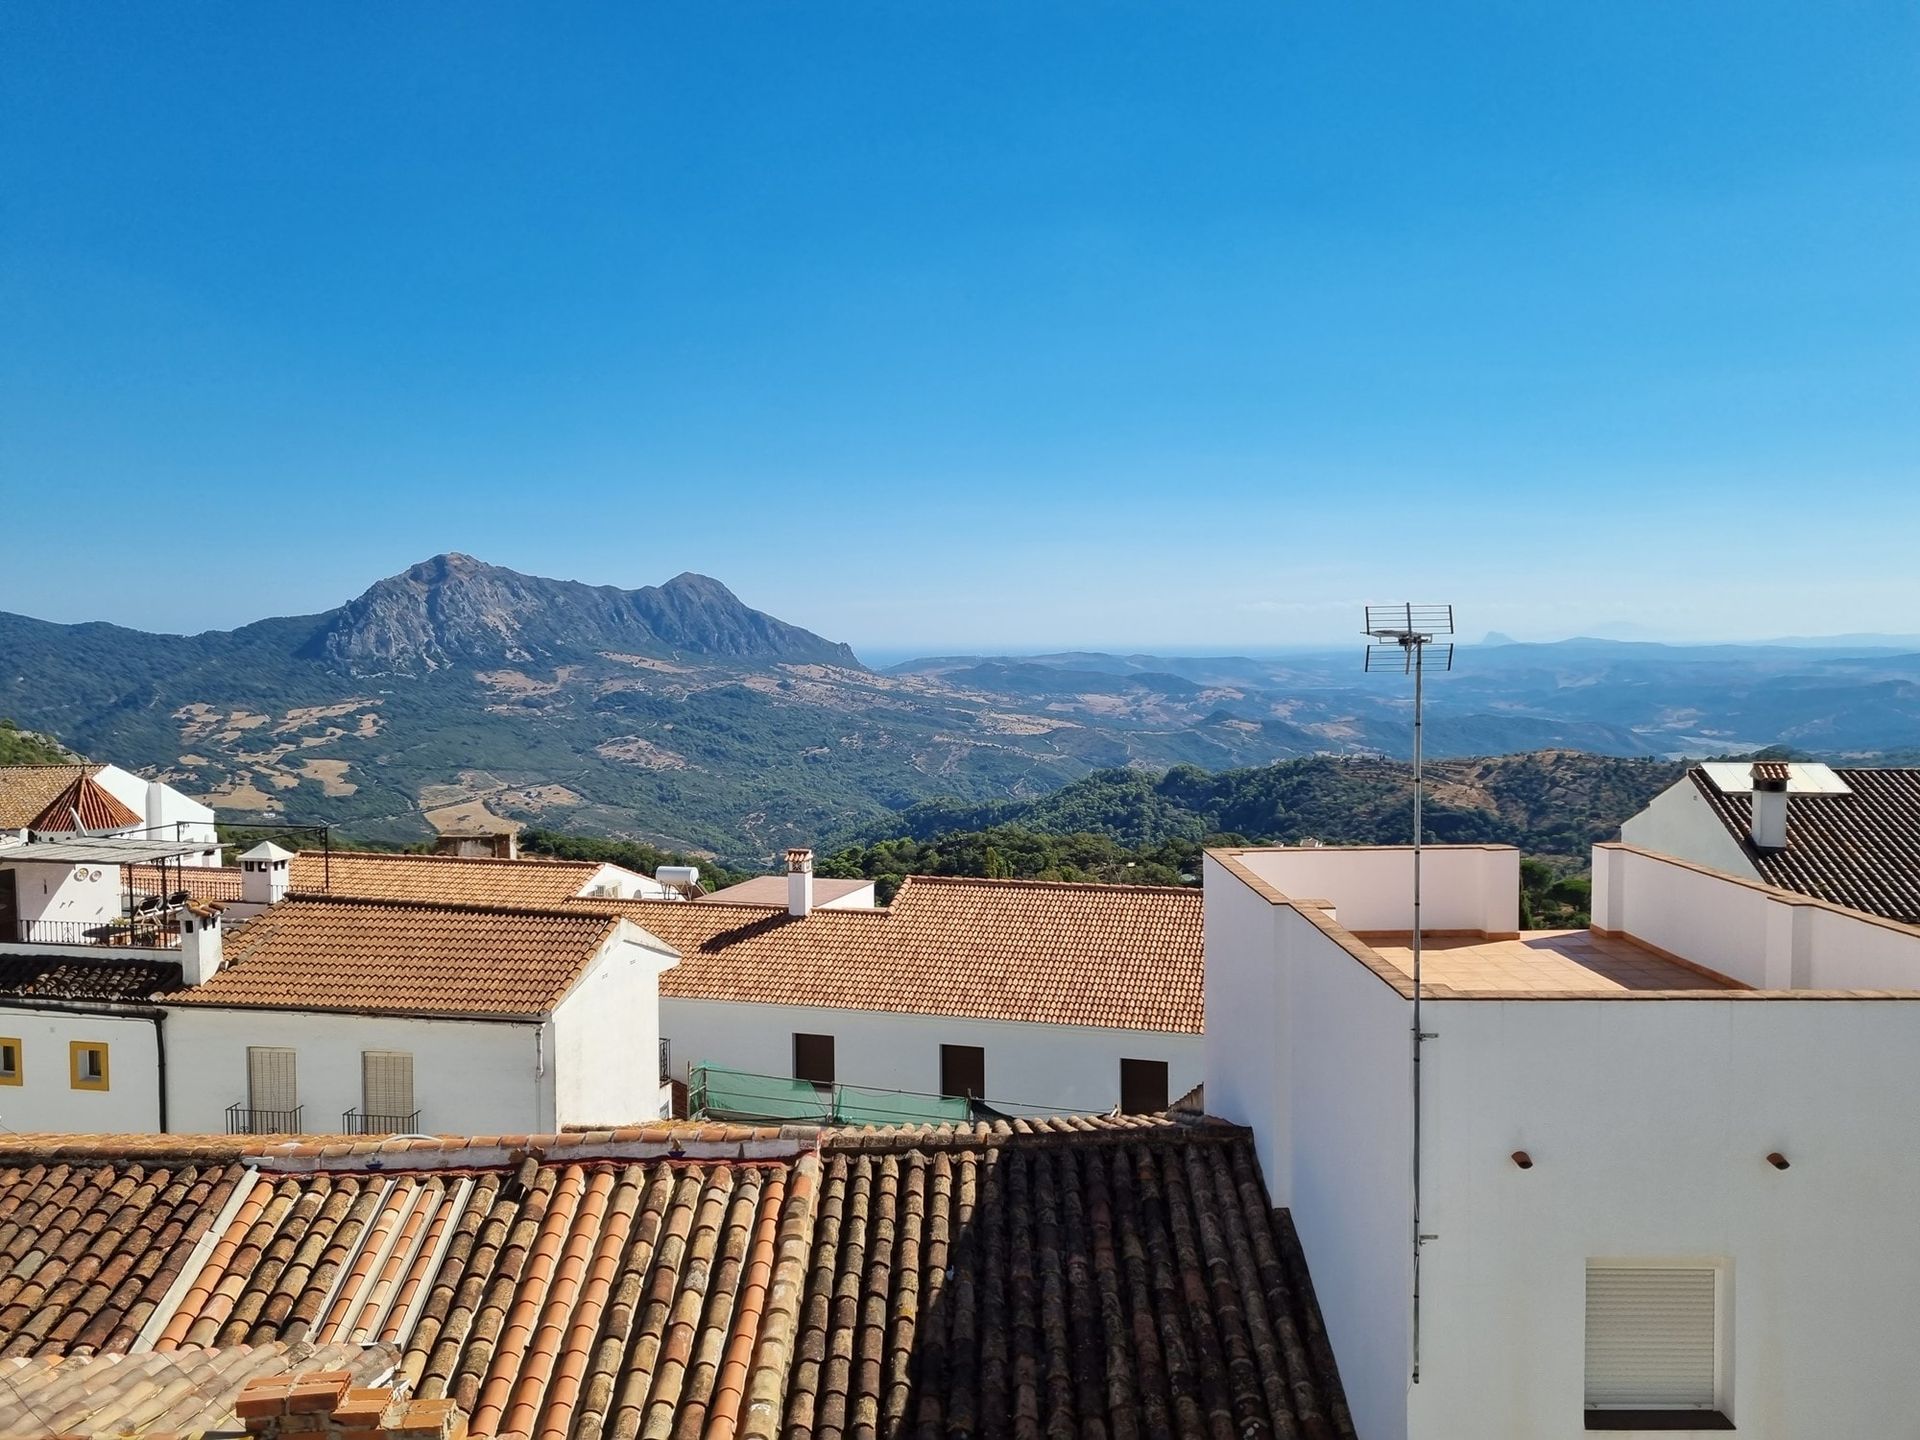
x,y
1667,1168
1846,835
1030,996
31,796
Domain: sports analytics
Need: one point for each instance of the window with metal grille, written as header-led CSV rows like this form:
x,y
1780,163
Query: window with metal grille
x,y
813,1059
1652,1338
271,1083
1143,1087
386,1083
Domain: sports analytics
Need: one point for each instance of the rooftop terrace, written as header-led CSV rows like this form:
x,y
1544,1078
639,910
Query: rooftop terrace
x,y
1543,962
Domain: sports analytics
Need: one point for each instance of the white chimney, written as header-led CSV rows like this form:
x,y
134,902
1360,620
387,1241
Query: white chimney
x,y
264,873
1770,804
156,809
800,882
200,943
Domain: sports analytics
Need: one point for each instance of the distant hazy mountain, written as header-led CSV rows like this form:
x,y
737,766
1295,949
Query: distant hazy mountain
x,y
678,715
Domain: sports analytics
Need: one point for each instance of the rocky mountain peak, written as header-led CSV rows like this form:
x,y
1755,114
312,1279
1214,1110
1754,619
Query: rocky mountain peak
x,y
455,609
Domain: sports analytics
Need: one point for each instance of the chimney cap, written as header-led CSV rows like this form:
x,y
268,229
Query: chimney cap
x,y
798,856
1770,774
267,850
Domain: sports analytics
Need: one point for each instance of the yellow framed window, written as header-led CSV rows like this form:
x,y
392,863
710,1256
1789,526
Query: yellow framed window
x,y
10,1066
87,1063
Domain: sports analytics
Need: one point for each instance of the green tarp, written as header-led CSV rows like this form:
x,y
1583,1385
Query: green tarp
x,y
717,1093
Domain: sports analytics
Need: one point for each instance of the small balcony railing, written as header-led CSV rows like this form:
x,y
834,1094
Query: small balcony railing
x,y
250,1120
365,1122
138,933
666,1060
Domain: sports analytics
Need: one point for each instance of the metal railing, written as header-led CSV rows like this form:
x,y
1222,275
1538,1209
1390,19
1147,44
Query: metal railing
x,y
364,1122
666,1059
138,933
248,1120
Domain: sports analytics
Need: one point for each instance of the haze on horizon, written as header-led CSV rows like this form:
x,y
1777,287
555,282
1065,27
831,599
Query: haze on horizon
x,y
981,328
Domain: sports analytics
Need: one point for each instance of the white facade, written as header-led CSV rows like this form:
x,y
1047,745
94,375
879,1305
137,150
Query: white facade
x,y
1649,1127
469,1076
1030,1068
1680,822
159,804
45,1094
58,900
593,1062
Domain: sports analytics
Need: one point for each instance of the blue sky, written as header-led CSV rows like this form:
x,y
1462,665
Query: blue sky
x,y
985,325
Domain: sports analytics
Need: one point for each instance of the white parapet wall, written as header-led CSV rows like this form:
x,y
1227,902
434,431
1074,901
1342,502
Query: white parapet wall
x,y
1762,937
1467,889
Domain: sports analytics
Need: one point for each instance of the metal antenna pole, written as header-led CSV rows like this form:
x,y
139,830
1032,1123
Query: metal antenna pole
x,y
1404,633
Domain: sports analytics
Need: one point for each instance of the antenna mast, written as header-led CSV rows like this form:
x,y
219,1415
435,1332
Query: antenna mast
x,y
1399,638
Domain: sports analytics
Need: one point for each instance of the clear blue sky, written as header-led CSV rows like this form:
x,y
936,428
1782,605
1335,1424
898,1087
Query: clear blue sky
x,y
1005,325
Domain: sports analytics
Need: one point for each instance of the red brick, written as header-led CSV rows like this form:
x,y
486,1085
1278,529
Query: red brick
x,y
315,1397
263,1396
363,1409
427,1420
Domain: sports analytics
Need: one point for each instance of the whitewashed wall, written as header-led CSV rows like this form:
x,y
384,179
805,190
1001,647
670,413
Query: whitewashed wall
x,y
607,1035
1247,1016
175,807
1312,1050
46,1100
1463,887
67,893
1746,930
1679,821
1649,1123
1050,1068
469,1077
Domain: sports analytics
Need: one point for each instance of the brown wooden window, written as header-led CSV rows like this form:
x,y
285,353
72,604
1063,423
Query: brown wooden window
x,y
1143,1086
963,1070
813,1059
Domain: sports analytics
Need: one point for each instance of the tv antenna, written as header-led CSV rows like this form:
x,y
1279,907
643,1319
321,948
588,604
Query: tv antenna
x,y
1406,638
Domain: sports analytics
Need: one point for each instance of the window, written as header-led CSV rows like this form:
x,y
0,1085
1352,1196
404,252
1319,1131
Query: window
x,y
386,1085
88,1061
1143,1087
1653,1346
813,1059
963,1070
271,1080
10,1060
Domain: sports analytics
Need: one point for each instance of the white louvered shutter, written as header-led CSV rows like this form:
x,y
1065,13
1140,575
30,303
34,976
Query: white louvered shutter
x,y
271,1084
1650,1338
386,1082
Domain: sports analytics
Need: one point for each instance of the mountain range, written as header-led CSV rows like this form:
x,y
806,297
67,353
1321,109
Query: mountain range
x,y
678,715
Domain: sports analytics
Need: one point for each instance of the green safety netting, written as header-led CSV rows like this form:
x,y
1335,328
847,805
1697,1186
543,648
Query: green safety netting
x,y
717,1093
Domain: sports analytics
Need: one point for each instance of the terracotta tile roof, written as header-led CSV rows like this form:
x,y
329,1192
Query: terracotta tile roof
x,y
321,954
437,879
26,790
59,977
83,805
151,1393
1077,1276
1860,850
772,890
89,1248
1111,955
200,882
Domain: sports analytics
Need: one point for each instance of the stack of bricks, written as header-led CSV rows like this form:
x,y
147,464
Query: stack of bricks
x,y
325,1405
